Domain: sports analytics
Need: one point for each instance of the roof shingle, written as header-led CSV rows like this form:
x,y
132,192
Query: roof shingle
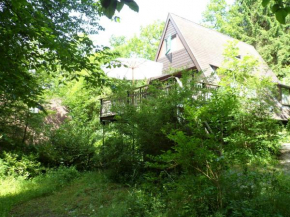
x,y
208,46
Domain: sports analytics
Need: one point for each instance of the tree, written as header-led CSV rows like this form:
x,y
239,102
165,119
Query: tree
x,y
144,45
41,40
280,8
44,36
110,6
248,21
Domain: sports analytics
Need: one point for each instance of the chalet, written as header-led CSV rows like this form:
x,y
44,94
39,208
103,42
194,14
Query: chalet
x,y
187,45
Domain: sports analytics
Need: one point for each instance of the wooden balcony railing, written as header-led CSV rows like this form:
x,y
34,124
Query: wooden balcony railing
x,y
136,96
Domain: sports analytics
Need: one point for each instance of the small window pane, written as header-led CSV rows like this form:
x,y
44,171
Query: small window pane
x,y
168,44
285,96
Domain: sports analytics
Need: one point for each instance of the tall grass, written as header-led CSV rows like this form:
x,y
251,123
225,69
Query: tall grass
x,y
91,194
16,190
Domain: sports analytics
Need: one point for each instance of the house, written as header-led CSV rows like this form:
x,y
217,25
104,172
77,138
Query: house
x,y
187,45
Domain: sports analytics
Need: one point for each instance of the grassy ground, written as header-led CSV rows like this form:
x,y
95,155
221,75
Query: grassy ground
x,y
16,190
90,194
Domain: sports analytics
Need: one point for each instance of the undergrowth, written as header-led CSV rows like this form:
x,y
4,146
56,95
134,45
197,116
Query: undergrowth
x,y
15,190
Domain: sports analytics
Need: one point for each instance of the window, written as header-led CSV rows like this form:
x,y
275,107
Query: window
x,y
285,96
239,57
169,41
168,44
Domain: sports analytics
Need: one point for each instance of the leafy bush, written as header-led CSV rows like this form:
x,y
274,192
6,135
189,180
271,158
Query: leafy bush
x,y
192,196
68,146
252,193
118,157
15,165
139,132
144,203
245,193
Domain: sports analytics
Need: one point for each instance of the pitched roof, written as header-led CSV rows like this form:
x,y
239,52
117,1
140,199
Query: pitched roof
x,y
207,46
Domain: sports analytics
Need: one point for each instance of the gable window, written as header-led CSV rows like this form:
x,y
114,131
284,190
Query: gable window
x,y
171,44
168,44
285,96
170,41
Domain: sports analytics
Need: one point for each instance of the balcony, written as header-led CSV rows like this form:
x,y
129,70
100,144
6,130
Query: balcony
x,y
136,96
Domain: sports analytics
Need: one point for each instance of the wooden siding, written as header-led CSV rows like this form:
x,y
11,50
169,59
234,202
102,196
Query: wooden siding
x,y
180,59
170,29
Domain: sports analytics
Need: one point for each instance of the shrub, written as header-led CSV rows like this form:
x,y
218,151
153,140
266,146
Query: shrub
x,y
69,146
117,156
13,164
139,132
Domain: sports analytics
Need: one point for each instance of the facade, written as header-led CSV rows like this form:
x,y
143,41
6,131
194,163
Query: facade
x,y
187,45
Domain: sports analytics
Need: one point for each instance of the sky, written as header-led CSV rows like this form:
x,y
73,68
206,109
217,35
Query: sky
x,y
149,11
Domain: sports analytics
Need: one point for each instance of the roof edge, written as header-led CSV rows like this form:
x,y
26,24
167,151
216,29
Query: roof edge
x,y
162,37
211,29
185,43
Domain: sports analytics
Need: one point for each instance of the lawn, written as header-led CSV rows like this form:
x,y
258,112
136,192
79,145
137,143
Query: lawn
x,y
86,194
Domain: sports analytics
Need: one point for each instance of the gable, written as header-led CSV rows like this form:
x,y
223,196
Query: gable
x,y
178,56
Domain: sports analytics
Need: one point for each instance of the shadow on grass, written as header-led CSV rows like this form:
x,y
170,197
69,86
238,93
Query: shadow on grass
x,y
91,194
14,191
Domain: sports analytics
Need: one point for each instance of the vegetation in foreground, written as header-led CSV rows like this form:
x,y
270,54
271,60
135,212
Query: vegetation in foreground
x,y
171,155
66,192
213,154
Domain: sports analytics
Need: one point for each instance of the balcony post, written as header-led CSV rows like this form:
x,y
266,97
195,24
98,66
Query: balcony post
x,y
101,108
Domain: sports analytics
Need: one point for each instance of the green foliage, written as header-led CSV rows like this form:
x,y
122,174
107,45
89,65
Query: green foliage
x,y
14,191
15,165
117,155
247,193
19,125
111,6
44,36
73,142
253,193
250,22
90,194
69,147
144,45
44,44
143,203
280,8
217,136
139,132
192,196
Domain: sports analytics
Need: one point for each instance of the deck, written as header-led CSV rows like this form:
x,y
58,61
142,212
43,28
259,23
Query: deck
x,y
136,96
